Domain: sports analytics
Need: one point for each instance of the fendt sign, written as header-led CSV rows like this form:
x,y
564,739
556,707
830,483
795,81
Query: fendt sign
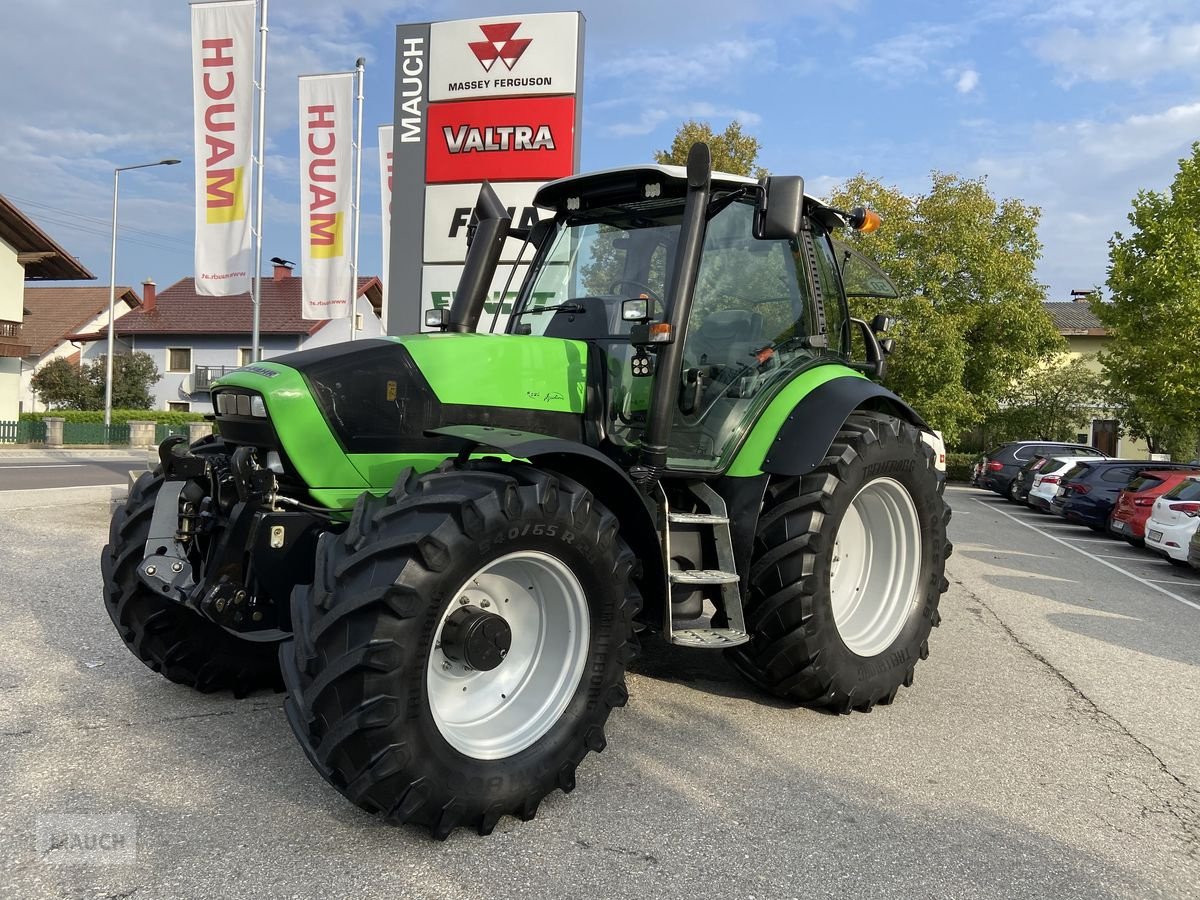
x,y
476,100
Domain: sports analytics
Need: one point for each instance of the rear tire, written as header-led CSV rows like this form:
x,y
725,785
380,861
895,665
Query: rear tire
x,y
837,637
371,679
172,640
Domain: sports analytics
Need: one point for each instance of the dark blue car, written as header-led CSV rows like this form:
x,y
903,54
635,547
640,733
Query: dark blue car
x,y
1088,491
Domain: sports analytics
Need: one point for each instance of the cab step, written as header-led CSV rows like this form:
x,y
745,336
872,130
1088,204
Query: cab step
x,y
724,573
697,519
703,576
709,638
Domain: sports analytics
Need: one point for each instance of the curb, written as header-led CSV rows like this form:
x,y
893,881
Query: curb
x,y
43,453
65,496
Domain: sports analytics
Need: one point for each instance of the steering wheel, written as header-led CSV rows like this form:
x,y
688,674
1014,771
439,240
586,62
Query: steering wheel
x,y
645,288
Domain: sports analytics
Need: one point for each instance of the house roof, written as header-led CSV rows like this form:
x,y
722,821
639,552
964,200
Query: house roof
x,y
180,310
53,313
1075,319
43,258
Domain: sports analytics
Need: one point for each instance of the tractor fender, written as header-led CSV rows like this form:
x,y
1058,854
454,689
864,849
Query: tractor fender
x,y
810,428
607,481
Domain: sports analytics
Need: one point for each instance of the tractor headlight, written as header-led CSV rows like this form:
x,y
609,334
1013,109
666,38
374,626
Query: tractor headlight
x,y
258,407
226,404
243,404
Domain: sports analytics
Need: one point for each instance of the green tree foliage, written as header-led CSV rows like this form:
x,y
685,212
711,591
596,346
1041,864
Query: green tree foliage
x,y
1050,403
64,385
970,316
1151,365
732,150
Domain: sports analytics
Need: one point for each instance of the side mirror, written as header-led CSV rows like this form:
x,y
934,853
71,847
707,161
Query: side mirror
x,y
887,345
635,310
883,323
875,365
436,318
778,210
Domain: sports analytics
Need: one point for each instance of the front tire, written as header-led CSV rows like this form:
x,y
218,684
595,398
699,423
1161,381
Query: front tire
x,y
170,639
847,571
388,705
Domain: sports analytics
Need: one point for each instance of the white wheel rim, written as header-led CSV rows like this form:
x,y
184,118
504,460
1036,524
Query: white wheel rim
x,y
875,571
498,713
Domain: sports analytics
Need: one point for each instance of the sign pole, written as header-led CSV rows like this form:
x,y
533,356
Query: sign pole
x,y
255,351
359,69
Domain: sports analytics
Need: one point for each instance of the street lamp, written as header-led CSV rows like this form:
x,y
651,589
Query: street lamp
x,y
112,288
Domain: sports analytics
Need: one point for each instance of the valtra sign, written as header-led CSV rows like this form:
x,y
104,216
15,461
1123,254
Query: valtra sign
x,y
501,140
476,100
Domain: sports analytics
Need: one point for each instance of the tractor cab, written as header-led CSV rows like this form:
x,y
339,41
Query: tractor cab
x,y
764,307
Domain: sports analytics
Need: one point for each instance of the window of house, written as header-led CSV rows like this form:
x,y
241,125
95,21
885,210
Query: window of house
x,y
179,359
245,356
179,406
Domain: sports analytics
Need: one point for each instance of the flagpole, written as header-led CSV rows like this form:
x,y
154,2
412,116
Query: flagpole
x,y
258,190
359,70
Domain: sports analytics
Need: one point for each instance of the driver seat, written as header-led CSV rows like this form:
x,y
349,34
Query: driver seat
x,y
726,337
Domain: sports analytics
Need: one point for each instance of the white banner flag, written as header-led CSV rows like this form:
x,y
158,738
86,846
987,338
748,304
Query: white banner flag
x,y
385,192
223,95
326,183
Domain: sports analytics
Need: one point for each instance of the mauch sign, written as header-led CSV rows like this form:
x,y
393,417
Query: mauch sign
x,y
477,100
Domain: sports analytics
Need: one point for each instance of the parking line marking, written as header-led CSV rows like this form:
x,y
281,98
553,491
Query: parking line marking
x,y
1180,583
1092,556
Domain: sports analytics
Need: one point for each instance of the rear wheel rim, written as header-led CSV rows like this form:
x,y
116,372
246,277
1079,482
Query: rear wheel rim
x,y
498,713
875,570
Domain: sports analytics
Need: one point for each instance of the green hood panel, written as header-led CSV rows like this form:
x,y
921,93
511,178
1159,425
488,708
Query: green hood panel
x,y
302,430
513,371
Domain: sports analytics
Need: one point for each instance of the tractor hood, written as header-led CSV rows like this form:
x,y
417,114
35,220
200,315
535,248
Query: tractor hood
x,y
327,407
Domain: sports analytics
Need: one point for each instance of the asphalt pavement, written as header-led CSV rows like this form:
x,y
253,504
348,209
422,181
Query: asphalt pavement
x,y
51,470
1049,748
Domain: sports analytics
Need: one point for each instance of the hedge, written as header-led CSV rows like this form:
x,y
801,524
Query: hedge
x,y
959,465
119,416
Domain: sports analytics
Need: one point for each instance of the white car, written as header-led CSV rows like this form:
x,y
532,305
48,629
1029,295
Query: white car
x,y
1045,481
934,440
1173,520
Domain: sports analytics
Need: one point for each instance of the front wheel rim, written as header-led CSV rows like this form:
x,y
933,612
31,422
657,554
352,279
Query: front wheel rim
x,y
875,571
498,713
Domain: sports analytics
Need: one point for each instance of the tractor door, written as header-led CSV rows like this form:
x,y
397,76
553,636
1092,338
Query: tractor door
x,y
761,313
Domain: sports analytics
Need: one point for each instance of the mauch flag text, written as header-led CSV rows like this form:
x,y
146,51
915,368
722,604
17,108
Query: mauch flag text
x,y
223,96
326,155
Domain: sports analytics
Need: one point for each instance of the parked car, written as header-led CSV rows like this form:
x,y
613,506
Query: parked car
x,y
1194,551
1173,521
1088,491
1132,510
938,444
1022,484
1045,481
1005,461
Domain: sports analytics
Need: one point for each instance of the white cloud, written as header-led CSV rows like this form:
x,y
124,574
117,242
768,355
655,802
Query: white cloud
x,y
967,81
1125,51
688,67
913,52
650,118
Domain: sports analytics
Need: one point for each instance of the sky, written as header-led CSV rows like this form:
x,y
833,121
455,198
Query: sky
x,y
1071,106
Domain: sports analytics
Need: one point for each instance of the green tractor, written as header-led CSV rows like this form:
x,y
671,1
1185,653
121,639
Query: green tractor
x,y
446,546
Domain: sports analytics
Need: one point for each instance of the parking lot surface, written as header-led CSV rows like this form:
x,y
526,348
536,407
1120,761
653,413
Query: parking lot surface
x,y
1049,748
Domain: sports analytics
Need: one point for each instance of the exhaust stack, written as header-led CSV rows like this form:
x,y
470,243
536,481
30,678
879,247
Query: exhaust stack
x,y
485,240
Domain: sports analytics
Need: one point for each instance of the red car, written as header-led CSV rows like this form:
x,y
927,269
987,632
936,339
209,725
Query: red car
x,y
1128,519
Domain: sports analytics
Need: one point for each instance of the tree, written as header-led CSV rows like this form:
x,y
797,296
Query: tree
x,y
732,151
1050,403
1151,364
970,320
63,385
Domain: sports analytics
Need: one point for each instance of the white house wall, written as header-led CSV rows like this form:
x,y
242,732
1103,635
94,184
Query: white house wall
x,y
12,294
29,401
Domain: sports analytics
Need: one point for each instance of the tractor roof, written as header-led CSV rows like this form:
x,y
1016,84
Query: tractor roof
x,y
633,183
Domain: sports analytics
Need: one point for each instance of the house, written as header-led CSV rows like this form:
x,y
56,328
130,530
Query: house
x,y
52,314
1086,336
26,254
195,339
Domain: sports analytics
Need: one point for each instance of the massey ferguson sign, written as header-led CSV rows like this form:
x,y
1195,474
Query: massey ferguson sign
x,y
476,100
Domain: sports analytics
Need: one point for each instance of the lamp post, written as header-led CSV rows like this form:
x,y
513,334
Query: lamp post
x,y
112,288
